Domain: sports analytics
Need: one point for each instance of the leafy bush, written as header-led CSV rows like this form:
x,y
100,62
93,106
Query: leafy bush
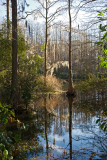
x,y
8,138
93,83
52,84
102,124
103,42
6,145
28,72
28,69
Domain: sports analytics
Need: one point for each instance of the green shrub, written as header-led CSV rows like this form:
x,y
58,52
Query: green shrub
x,y
28,68
6,144
93,83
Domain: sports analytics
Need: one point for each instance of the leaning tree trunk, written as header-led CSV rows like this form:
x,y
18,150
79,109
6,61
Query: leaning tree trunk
x,y
14,53
70,88
8,22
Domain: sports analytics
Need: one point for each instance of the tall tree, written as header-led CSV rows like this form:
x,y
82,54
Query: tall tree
x,y
49,17
14,53
70,88
46,40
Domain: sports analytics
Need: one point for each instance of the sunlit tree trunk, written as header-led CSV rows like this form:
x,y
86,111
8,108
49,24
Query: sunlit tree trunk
x,y
14,53
56,45
46,37
70,88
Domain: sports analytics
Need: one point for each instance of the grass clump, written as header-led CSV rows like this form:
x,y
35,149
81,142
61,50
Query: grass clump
x,y
52,84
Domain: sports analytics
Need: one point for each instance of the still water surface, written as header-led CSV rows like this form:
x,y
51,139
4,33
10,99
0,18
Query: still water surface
x,y
65,128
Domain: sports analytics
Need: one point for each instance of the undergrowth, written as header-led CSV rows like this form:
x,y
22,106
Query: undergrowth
x,y
93,83
52,84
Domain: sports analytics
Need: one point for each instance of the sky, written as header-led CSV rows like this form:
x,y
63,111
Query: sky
x,y
82,18
32,6
2,11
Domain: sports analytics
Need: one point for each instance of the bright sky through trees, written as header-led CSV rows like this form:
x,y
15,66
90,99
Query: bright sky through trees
x,y
84,13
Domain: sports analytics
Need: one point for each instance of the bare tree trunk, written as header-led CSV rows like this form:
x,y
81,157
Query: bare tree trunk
x,y
70,88
46,37
56,46
8,22
14,53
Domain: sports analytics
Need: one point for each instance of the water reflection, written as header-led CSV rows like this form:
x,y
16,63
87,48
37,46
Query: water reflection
x,y
70,100
46,127
65,128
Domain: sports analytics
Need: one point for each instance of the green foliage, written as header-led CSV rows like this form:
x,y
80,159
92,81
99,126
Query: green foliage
x,y
8,138
93,83
5,112
5,54
42,47
6,145
102,124
103,41
28,69
28,72
40,88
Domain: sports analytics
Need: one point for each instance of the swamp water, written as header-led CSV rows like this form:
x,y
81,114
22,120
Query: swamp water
x,y
63,128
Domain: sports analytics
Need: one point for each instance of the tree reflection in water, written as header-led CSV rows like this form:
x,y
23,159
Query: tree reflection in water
x,y
66,128
46,127
70,100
